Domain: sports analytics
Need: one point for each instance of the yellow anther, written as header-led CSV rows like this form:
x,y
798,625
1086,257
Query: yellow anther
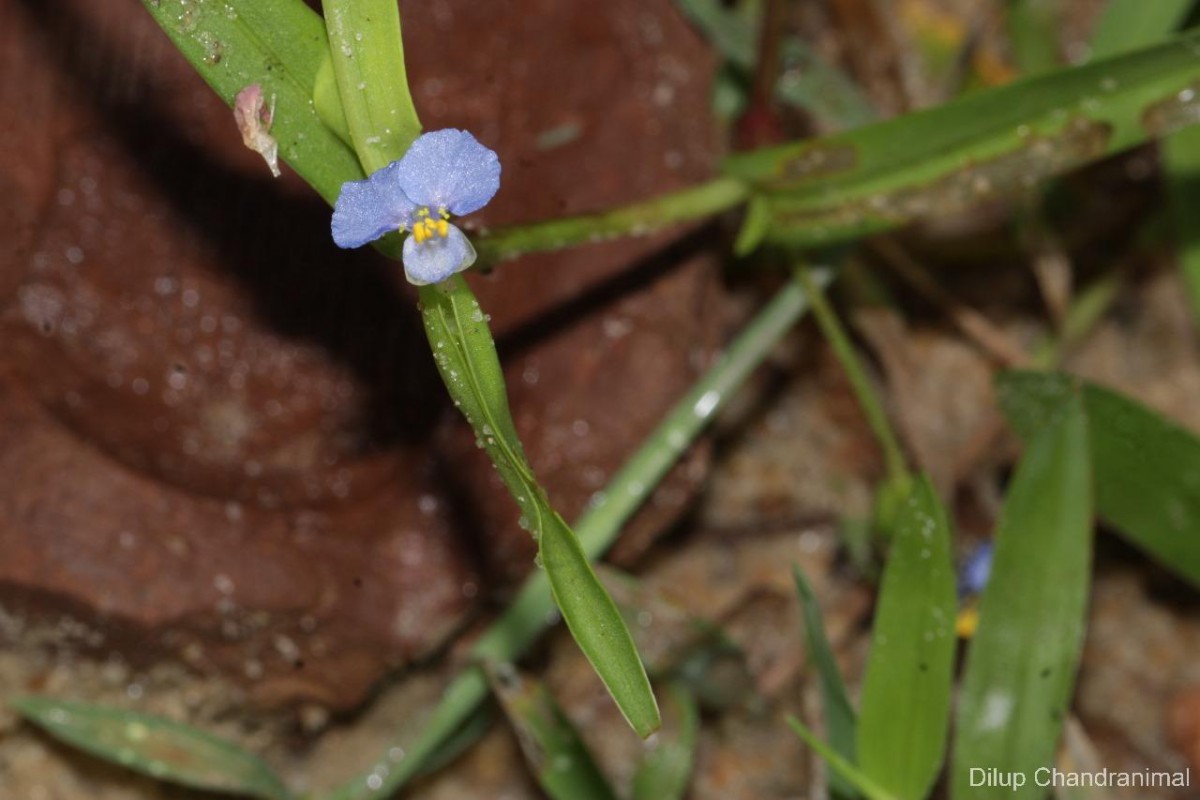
x,y
445,214
424,228
967,622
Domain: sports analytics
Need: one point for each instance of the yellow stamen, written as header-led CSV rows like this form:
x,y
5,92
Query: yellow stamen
x,y
424,227
967,622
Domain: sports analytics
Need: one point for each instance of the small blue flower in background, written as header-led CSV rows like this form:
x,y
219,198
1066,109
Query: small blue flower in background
x,y
445,173
975,570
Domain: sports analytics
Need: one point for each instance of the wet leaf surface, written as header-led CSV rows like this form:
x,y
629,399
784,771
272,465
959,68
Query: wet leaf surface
x,y
1022,660
905,702
155,746
1147,470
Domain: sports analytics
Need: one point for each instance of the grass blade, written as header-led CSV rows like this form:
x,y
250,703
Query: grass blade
x,y
552,748
1181,162
368,63
466,358
278,44
596,623
1021,665
1129,24
843,769
977,147
905,704
730,32
839,714
1146,469
665,769
154,746
1033,27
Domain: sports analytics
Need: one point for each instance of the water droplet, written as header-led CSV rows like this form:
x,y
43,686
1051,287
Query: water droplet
x,y
706,404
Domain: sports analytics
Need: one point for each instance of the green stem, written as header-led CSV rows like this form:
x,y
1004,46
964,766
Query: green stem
x,y
609,510
532,612
697,202
868,400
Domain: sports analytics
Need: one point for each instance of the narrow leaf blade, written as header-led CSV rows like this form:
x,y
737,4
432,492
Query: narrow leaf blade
x,y
978,147
278,44
596,623
665,769
466,358
552,747
839,714
905,704
1129,24
844,769
368,62
154,746
1181,161
1021,665
1033,27
1147,470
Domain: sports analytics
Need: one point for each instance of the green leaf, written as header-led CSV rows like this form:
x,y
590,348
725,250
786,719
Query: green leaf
x,y
1181,161
839,714
843,768
1129,24
160,748
328,101
730,32
905,704
978,147
368,63
1033,27
806,79
665,769
466,357
809,82
755,225
1146,469
1022,661
595,621
552,747
278,44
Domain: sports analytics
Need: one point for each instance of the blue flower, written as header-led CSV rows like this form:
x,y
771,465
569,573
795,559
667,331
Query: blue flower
x,y
444,174
976,569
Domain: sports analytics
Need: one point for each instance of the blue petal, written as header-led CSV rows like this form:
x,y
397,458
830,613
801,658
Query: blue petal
x,y
434,260
450,169
367,209
975,571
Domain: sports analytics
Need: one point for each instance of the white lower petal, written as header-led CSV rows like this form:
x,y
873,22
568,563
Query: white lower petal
x,y
434,260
